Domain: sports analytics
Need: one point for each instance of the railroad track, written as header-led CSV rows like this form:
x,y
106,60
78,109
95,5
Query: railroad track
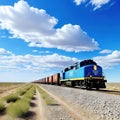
x,y
115,92
110,92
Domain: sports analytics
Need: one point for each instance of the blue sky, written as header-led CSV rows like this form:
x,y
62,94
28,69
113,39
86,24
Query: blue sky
x,y
41,37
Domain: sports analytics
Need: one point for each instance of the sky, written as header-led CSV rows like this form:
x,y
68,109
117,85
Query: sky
x,y
41,37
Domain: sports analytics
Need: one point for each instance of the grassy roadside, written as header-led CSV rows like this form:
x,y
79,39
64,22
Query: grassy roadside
x,y
18,104
21,107
46,97
2,107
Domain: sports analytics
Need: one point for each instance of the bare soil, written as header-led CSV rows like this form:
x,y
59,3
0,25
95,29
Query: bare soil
x,y
38,107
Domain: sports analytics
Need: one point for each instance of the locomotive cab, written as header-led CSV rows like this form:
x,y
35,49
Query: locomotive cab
x,y
93,74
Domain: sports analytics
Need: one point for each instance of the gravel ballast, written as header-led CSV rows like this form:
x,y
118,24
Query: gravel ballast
x,y
57,112
100,106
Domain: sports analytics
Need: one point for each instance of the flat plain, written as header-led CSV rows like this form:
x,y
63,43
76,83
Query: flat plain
x,y
13,94
113,86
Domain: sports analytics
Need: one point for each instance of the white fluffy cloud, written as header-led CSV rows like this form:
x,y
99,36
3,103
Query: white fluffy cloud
x,y
109,60
42,63
78,2
5,52
96,3
69,38
35,63
106,51
37,27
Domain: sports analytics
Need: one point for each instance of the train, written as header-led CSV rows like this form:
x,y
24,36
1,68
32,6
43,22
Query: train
x,y
85,74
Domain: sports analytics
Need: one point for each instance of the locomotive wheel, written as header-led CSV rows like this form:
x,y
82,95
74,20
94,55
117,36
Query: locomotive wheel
x,y
97,88
88,87
73,84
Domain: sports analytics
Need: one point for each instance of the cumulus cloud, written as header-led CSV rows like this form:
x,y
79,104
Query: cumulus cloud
x,y
78,2
96,3
99,3
25,19
109,60
35,63
69,38
43,63
43,52
37,27
35,51
105,51
5,52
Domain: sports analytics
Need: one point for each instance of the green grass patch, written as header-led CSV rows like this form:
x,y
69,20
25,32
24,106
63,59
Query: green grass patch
x,y
24,89
1,91
22,93
48,100
19,103
29,94
12,98
18,109
2,107
21,107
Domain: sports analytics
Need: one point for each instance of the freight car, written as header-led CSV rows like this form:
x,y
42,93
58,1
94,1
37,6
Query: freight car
x,y
53,79
84,74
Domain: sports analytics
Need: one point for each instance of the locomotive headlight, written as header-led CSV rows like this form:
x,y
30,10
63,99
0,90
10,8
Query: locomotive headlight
x,y
95,67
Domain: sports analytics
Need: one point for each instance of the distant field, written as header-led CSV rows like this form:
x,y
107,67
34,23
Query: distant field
x,y
4,86
113,86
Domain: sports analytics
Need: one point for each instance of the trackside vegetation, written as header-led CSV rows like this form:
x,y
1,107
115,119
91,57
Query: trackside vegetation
x,y
2,107
17,104
12,98
21,107
18,109
48,100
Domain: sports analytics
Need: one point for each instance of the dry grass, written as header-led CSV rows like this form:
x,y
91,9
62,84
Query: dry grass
x,y
8,86
2,107
21,106
113,86
46,97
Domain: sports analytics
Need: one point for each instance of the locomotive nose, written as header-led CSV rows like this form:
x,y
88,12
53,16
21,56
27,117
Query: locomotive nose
x,y
93,70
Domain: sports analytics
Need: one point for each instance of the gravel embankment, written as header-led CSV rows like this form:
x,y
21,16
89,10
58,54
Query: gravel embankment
x,y
91,104
57,112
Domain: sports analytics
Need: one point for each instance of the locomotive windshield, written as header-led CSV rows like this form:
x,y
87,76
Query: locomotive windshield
x,y
87,62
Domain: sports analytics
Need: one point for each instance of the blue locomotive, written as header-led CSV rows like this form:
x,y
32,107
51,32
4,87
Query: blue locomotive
x,y
84,74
